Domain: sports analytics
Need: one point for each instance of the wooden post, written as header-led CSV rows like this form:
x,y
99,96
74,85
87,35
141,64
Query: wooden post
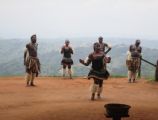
x,y
156,72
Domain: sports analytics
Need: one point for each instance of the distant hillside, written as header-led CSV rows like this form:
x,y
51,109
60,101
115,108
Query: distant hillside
x,y
11,56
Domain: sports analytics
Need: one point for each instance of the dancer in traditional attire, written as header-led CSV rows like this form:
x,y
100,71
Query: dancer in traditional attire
x,y
133,62
31,61
103,45
98,70
67,60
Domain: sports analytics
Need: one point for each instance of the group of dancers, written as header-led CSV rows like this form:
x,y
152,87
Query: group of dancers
x,y
97,58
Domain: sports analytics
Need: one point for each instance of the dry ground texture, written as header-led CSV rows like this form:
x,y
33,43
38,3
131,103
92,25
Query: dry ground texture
x,y
55,98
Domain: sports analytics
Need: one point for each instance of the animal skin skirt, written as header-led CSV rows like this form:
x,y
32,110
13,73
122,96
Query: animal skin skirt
x,y
102,74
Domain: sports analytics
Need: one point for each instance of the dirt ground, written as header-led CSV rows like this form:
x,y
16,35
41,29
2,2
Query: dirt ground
x,y
55,98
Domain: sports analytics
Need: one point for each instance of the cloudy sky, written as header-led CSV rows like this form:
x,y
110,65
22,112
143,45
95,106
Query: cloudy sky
x,y
79,18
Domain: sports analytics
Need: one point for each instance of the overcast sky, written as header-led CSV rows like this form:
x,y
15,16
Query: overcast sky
x,y
79,18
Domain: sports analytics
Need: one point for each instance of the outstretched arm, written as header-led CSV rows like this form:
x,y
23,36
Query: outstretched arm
x,y
85,63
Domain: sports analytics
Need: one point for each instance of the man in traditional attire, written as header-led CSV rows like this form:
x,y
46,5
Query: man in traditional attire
x,y
31,61
98,70
133,61
67,61
103,45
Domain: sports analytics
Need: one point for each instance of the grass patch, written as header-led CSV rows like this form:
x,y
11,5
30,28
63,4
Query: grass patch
x,y
118,76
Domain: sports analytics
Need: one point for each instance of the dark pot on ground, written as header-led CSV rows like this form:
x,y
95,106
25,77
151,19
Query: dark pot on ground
x,y
117,110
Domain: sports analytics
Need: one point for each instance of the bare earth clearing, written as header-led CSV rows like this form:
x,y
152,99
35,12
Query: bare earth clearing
x,y
55,98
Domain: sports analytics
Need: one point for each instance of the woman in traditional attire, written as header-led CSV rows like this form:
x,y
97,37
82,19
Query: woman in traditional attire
x,y
67,61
